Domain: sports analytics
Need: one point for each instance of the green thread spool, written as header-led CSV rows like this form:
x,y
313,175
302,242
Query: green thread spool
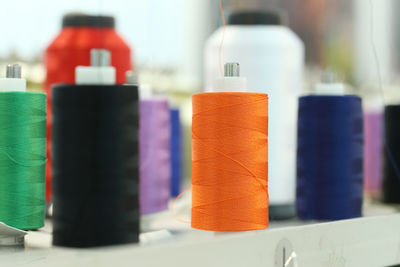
x,y
22,159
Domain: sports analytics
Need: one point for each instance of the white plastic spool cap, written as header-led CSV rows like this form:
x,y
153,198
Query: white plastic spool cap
x,y
13,81
231,82
132,78
328,86
145,90
99,73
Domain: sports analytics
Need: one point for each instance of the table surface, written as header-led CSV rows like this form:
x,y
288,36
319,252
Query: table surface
x,y
373,240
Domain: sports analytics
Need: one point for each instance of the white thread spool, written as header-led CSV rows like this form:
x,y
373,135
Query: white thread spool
x,y
272,59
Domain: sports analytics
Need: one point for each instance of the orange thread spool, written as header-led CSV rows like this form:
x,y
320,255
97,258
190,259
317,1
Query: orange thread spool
x,y
230,161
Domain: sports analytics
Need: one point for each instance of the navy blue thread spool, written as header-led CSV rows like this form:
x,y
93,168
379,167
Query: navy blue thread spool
x,y
329,157
176,152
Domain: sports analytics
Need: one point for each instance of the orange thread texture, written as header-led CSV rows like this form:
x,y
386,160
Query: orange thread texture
x,y
230,161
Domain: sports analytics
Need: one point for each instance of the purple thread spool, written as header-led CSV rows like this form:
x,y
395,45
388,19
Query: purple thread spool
x,y
373,130
155,162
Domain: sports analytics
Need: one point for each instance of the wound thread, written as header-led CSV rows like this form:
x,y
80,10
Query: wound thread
x,y
155,161
176,152
95,165
391,183
329,157
22,159
230,161
373,152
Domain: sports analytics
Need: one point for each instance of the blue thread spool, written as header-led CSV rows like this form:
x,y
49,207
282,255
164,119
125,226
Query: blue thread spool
x,y
329,156
176,154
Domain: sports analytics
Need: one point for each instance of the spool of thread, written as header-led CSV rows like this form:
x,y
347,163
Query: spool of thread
x,y
95,162
155,162
329,155
176,153
271,56
391,182
230,158
70,48
373,146
22,153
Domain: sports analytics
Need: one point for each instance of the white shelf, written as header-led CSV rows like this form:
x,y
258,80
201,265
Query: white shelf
x,y
369,241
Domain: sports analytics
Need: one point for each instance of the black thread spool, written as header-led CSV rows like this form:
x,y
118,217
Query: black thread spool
x,y
391,183
95,165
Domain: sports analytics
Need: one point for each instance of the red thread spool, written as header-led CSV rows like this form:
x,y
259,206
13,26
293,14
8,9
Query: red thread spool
x,y
81,33
230,161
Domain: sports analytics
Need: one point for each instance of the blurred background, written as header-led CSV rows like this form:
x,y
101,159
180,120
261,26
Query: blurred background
x,y
167,39
168,36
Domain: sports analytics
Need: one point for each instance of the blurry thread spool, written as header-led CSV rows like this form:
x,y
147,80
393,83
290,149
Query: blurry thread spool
x,y
373,155
176,153
230,158
71,48
95,160
391,182
155,155
22,152
329,154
